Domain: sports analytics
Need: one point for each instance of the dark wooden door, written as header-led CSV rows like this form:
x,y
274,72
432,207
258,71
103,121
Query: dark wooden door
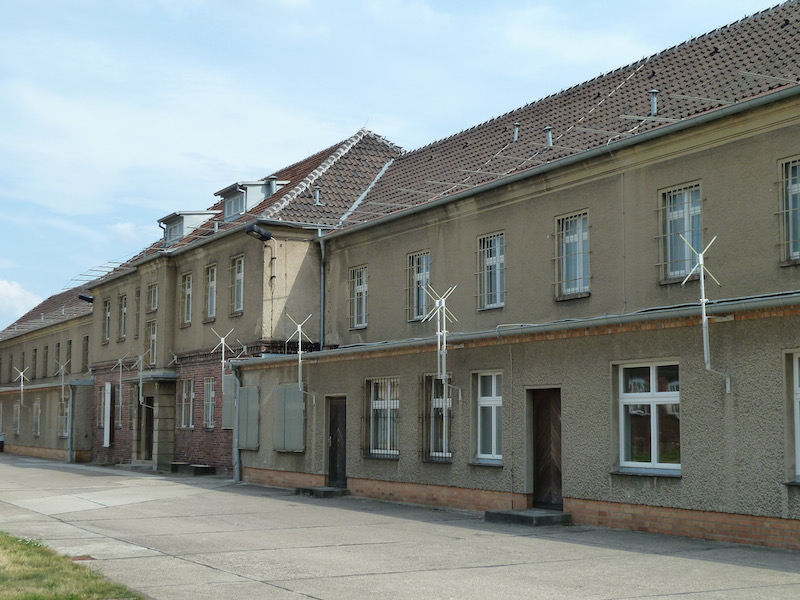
x,y
337,443
547,449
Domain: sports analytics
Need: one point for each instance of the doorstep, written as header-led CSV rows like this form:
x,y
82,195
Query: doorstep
x,y
322,491
532,517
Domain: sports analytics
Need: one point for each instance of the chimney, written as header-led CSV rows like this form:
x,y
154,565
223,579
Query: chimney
x,y
516,132
316,196
548,132
653,103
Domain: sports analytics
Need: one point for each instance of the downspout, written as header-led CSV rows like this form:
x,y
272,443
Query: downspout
x,y
70,410
321,290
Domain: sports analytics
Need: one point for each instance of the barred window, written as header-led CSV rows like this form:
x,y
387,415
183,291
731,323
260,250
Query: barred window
x,y
68,359
122,324
63,418
790,211
186,403
418,278
382,413
118,409
37,418
137,309
680,216
106,320
208,402
15,419
491,271
45,361
210,292
34,362
436,419
84,354
358,297
572,255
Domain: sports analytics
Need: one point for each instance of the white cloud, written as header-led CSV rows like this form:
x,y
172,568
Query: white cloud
x,y
15,301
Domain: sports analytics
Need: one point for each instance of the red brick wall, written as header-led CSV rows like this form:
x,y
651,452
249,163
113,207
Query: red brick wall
x,y
121,447
722,527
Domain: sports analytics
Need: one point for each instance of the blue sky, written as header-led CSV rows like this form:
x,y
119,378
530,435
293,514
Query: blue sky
x,y
114,113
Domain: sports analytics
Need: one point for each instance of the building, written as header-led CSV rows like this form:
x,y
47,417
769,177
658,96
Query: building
x,y
578,372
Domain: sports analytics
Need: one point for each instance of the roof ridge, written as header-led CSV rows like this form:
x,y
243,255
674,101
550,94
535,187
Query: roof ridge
x,y
326,164
631,65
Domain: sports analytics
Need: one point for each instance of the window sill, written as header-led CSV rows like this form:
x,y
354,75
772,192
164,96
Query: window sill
x,y
394,457
789,263
574,296
150,311
644,472
486,462
209,320
184,325
237,313
121,339
358,327
792,484
438,460
493,307
677,280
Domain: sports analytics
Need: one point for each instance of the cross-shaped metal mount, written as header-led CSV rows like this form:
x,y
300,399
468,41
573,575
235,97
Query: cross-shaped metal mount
x,y
300,336
442,314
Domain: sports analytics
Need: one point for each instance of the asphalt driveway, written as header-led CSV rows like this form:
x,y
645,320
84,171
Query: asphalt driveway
x,y
176,537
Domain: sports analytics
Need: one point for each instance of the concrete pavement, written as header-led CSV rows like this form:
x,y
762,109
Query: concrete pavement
x,y
175,537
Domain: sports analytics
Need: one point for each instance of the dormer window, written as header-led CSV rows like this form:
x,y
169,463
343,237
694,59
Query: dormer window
x,y
234,206
174,232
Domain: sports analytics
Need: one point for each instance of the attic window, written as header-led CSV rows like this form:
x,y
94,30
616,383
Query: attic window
x,y
174,231
234,206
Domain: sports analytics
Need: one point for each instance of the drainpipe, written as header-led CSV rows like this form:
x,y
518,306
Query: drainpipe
x,y
321,290
71,408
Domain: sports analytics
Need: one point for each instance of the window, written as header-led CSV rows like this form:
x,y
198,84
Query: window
x,y
680,217
490,413
15,419
237,284
68,359
36,416
437,415
59,366
173,231
45,360
84,354
649,416
137,311
790,210
10,367
152,296
186,403
358,297
118,408
34,362
210,292
572,258
418,281
491,271
383,409
796,410
123,316
150,341
63,419
106,320
208,403
234,206
186,299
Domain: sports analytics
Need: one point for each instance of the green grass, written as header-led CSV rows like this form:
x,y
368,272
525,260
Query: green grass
x,y
30,571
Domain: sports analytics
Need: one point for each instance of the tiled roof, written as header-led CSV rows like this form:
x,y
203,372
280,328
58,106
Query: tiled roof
x,y
55,309
753,56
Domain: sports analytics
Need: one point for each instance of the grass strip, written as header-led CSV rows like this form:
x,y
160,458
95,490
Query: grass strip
x,y
31,571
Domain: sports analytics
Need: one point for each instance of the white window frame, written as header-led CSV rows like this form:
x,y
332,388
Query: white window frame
x,y
152,297
186,404
384,435
572,258
210,292
186,299
790,210
106,320
137,307
493,401
419,277
209,394
681,214
647,395
491,271
440,406
234,206
122,322
796,410
358,291
63,418
15,419
173,232
237,285
151,328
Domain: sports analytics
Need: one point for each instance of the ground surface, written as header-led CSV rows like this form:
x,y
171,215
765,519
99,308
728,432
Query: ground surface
x,y
172,537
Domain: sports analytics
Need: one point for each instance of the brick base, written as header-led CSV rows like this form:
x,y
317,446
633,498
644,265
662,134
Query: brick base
x,y
723,527
287,479
436,495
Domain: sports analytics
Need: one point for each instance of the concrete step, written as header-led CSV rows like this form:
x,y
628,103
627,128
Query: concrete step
x,y
322,492
191,469
532,517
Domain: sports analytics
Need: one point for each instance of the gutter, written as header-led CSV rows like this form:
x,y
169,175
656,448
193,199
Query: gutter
x,y
717,307
610,148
